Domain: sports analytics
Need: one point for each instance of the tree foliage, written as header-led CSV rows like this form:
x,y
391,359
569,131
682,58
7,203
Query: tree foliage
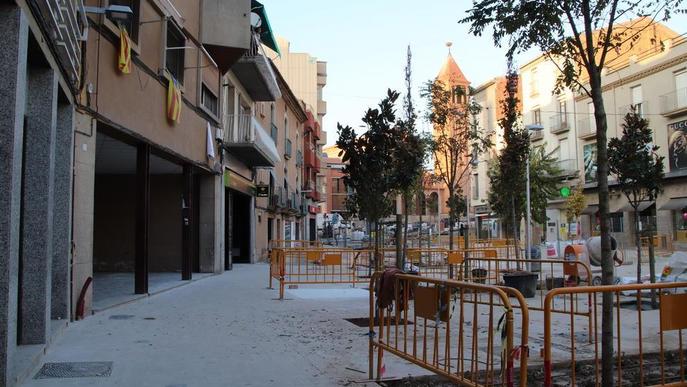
x,y
456,143
575,204
635,162
507,173
577,36
639,169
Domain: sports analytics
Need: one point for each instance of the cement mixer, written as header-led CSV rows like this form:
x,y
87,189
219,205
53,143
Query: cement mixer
x,y
590,253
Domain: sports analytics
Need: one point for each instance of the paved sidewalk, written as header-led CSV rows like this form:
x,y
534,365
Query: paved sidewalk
x,y
227,330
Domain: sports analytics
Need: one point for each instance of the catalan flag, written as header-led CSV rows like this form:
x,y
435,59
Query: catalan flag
x,y
124,62
173,101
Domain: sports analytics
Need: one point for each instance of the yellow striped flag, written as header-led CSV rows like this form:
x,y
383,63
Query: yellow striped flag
x,y
124,62
173,101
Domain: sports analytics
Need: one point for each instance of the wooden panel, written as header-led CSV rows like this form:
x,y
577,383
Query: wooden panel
x,y
313,256
427,303
455,258
673,311
413,256
332,259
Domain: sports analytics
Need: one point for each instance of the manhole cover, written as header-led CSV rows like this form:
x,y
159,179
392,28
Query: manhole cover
x,y
121,316
88,369
365,321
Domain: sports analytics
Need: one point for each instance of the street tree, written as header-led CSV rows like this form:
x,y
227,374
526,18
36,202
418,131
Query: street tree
x,y
507,172
456,142
574,205
408,160
634,160
369,162
578,36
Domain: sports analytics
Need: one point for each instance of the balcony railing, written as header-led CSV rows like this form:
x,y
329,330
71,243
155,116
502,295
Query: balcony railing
x,y
278,198
536,135
249,142
287,149
568,167
255,73
299,158
674,102
641,108
586,127
65,26
559,123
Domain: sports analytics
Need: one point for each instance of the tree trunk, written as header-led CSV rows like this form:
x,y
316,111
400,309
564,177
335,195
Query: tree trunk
x,y
602,170
514,229
376,249
450,233
652,266
406,208
398,235
638,243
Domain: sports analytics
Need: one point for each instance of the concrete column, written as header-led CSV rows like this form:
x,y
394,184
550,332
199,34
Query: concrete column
x,y
62,222
253,229
37,206
84,185
211,221
15,33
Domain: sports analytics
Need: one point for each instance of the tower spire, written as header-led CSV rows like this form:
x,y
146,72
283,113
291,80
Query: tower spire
x,y
449,44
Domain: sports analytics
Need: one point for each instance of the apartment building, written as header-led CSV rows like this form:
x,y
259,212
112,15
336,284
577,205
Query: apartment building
x,y
307,77
647,74
42,65
148,180
279,216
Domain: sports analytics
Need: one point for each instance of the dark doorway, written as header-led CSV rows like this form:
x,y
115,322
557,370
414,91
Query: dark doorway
x,y
270,222
313,229
240,226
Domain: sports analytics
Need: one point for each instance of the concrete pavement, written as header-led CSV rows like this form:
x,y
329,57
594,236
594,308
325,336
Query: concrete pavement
x,y
227,330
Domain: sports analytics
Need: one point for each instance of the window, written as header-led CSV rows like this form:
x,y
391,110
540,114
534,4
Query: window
x,y
533,82
563,114
286,128
637,99
475,186
131,23
616,221
563,150
208,100
174,57
272,113
536,116
681,89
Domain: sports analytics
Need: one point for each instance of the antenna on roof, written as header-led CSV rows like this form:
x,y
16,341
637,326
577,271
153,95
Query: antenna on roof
x,y
449,44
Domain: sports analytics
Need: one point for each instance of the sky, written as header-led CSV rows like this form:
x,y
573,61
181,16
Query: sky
x,y
364,43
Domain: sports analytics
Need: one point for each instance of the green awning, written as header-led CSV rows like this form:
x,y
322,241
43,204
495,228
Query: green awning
x,y
266,35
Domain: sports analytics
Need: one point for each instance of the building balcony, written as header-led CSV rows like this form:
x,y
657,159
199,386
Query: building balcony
x,y
277,199
338,203
642,108
255,73
586,127
536,135
64,22
226,30
568,167
674,103
321,107
559,123
249,142
311,159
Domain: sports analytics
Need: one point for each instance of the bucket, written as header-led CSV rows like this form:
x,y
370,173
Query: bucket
x,y
525,282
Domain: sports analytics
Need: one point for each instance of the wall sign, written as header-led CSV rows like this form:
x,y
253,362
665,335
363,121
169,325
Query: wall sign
x,y
262,191
589,155
677,145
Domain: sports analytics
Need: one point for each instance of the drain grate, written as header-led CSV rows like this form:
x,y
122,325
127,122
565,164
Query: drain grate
x,y
365,321
86,369
121,316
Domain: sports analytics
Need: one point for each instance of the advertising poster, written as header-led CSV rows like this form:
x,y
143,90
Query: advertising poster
x,y
589,154
677,145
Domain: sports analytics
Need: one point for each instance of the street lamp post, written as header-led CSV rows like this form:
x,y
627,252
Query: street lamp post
x,y
528,226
